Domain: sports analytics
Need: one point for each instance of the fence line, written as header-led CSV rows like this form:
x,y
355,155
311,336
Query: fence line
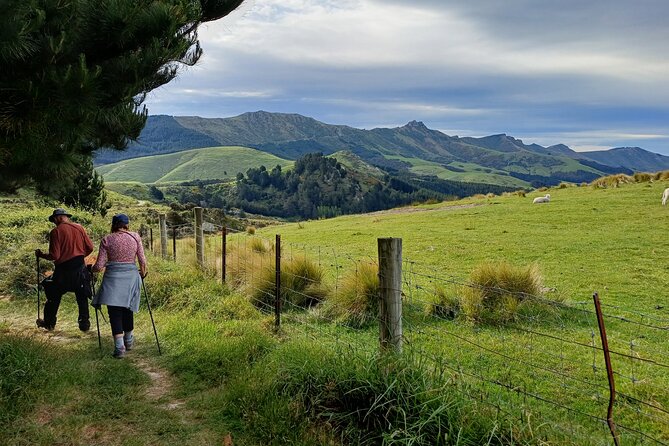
x,y
250,259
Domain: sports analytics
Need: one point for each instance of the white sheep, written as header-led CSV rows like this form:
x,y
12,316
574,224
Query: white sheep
x,y
665,197
545,199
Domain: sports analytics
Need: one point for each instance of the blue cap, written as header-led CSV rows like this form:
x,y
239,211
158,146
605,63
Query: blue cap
x,y
120,218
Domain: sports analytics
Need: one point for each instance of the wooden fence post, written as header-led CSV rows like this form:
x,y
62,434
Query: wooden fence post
x,y
163,235
199,236
390,296
174,243
151,240
224,252
277,284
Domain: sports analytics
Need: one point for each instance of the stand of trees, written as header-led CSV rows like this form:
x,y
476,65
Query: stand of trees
x,y
76,72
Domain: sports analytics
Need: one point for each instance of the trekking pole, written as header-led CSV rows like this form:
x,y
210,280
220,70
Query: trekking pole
x,y
38,288
148,304
97,321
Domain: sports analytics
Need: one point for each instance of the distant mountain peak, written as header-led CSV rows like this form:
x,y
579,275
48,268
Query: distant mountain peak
x,y
416,125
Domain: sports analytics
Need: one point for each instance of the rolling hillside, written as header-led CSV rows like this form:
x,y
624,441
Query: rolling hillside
x,y
496,159
213,163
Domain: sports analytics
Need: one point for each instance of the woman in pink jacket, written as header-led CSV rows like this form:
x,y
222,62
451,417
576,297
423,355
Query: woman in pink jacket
x,y
121,284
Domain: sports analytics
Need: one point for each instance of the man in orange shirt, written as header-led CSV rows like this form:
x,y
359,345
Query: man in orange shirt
x,y
68,246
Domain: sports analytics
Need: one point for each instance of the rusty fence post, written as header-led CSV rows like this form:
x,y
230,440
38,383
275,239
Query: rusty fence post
x,y
224,249
609,368
277,284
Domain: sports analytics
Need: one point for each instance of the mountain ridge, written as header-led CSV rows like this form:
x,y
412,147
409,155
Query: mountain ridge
x,y
408,147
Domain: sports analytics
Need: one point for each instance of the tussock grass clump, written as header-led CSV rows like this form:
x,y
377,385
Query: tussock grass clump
x,y
355,302
250,230
521,193
661,175
445,304
497,291
301,285
643,177
612,181
258,245
365,399
563,185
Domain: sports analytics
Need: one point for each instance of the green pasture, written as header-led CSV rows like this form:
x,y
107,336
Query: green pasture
x,y
212,163
538,379
473,172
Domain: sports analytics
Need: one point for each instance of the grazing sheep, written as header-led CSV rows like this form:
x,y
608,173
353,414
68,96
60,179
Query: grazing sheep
x,y
665,197
545,199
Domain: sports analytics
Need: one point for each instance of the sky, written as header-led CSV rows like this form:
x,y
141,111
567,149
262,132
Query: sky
x,y
592,74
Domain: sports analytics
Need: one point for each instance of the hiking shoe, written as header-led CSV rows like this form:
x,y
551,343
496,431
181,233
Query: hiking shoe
x,y
41,324
84,325
119,353
129,343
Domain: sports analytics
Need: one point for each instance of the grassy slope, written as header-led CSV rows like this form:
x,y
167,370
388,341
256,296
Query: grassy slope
x,y
197,164
473,172
584,240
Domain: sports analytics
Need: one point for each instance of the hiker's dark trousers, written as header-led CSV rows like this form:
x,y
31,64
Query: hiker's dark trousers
x,y
69,276
121,319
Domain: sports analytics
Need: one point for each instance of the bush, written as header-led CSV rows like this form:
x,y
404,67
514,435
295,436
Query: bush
x,y
563,186
497,290
356,301
250,230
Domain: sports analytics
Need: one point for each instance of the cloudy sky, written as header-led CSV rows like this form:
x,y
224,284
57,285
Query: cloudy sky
x,y
588,73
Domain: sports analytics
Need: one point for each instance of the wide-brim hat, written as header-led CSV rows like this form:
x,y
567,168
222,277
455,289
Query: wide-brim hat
x,y
57,212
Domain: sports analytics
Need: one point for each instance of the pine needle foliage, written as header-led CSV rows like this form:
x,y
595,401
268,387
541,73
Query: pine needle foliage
x,y
76,72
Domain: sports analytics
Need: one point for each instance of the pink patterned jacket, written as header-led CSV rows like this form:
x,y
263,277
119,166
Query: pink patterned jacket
x,y
121,246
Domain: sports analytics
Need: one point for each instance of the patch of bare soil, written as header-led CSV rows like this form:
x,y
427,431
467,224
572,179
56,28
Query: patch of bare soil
x,y
161,386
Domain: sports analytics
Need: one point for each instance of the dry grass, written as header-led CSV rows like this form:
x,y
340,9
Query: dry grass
x,y
356,301
497,290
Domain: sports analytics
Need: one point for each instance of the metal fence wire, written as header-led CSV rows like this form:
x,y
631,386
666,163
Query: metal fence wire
x,y
545,361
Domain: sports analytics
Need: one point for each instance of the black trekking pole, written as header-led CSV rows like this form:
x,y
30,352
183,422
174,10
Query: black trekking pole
x,y
38,288
148,304
97,321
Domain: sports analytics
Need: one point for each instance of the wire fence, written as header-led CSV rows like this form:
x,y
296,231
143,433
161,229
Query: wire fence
x,y
541,359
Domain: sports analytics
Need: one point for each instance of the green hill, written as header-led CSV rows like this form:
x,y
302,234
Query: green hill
x,y
213,163
496,159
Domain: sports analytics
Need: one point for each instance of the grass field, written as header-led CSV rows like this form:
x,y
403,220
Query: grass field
x,y
536,380
199,164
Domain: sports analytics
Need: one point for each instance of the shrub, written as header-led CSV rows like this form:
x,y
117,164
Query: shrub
x,y
563,186
498,289
301,285
520,193
250,230
355,302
